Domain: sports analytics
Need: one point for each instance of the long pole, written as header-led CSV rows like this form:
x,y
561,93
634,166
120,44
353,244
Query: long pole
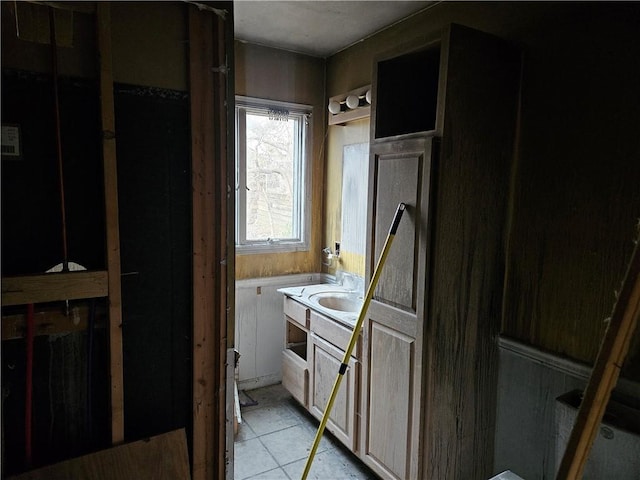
x,y
613,351
354,336
56,98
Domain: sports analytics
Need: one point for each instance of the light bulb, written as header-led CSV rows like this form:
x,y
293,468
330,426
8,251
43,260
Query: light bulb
x,y
353,101
334,107
368,96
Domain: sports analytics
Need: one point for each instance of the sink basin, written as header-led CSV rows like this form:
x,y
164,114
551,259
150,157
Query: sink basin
x,y
341,302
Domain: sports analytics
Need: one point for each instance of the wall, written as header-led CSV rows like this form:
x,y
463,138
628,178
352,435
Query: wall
x,y
280,75
574,196
339,136
154,175
529,383
259,335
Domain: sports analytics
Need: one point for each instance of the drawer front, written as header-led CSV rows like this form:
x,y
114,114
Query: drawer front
x,y
334,333
295,376
296,312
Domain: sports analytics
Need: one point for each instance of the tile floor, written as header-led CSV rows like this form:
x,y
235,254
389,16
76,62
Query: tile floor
x,y
275,438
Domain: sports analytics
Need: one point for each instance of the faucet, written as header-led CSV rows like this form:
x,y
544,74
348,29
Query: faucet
x,y
328,256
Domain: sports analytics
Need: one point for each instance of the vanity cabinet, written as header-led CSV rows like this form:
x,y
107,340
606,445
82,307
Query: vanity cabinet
x,y
329,341
325,363
315,346
295,371
442,140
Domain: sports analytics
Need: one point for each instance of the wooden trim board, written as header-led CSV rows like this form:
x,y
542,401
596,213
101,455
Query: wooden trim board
x,y
163,457
103,27
53,287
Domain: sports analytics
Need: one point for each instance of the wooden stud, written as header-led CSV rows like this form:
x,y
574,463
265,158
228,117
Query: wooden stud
x,y
205,286
53,287
212,238
606,371
103,20
225,178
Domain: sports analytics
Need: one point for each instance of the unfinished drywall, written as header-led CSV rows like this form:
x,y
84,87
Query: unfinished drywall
x,y
150,44
154,176
76,56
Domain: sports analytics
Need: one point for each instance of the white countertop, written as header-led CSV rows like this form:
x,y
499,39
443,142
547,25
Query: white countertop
x,y
304,294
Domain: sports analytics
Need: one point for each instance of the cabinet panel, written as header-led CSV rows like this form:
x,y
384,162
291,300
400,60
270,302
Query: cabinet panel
x,y
295,370
296,311
401,174
334,333
446,266
295,376
417,73
389,425
325,363
468,252
392,355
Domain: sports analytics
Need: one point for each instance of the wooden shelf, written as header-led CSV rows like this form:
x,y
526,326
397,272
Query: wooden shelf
x,y
350,115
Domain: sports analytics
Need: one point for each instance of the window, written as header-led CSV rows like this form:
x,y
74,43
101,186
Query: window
x,y
273,139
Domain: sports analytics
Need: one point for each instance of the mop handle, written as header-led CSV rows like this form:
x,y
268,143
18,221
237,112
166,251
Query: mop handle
x,y
354,336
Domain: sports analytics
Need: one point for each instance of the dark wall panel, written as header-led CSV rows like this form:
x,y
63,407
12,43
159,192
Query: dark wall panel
x,y
154,189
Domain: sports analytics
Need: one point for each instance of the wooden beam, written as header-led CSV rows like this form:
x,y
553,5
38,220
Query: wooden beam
x,y
50,321
606,371
103,20
225,242
53,287
205,446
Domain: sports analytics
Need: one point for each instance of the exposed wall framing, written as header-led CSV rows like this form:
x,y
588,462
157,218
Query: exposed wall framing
x,y
65,286
211,239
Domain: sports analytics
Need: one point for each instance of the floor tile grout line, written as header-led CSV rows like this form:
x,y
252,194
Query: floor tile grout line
x,y
262,472
272,456
300,420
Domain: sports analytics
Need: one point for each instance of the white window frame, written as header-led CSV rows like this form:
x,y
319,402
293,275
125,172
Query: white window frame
x,y
302,203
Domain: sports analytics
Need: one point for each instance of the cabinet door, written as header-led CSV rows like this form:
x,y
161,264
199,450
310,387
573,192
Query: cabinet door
x,y
325,363
392,358
389,428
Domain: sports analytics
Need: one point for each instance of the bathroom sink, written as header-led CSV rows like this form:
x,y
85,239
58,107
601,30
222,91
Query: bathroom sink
x,y
339,301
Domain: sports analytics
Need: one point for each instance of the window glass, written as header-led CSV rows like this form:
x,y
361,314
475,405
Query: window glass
x,y
271,174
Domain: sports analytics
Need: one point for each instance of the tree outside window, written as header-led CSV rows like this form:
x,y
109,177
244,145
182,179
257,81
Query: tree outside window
x,y
271,173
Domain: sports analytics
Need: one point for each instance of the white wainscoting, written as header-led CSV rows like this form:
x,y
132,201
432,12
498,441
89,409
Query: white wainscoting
x,y
529,382
259,332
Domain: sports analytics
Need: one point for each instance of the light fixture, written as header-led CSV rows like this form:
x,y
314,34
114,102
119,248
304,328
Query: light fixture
x,y
353,101
349,106
334,107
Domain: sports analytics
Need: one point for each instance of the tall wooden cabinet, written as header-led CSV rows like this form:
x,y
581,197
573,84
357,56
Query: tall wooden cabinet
x,y
442,140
